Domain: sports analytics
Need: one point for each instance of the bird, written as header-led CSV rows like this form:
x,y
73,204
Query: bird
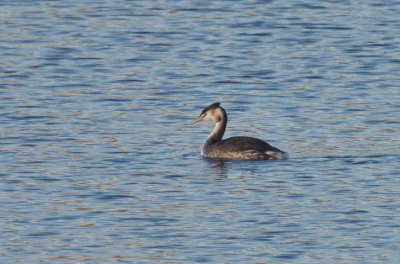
x,y
233,148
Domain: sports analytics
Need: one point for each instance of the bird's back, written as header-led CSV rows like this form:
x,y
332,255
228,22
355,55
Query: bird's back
x,y
241,148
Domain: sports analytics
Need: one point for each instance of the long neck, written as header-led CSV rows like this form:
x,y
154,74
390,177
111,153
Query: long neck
x,y
219,129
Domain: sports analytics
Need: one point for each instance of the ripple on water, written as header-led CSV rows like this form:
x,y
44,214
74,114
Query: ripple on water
x,y
99,164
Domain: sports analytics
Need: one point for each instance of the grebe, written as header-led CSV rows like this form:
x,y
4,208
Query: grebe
x,y
238,148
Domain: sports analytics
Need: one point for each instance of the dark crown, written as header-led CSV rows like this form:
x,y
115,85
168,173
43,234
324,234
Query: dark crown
x,y
212,106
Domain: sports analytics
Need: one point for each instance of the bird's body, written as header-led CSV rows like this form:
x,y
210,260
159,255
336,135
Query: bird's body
x,y
238,148
241,148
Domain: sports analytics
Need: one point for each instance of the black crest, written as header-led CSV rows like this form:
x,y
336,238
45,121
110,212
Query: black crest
x,y
211,106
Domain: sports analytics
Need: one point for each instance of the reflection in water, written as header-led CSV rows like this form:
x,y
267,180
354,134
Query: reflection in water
x,y
218,167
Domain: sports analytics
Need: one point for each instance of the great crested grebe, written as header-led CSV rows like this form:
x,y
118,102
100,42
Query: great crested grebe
x,y
238,148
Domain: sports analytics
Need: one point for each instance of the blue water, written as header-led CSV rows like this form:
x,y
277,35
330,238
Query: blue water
x,y
99,164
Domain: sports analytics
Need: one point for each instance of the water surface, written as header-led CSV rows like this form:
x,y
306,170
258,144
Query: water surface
x,y
99,164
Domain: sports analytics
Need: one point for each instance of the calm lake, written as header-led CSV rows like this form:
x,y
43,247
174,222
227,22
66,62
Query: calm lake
x,y
100,165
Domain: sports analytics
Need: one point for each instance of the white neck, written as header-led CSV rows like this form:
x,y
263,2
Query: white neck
x,y
219,129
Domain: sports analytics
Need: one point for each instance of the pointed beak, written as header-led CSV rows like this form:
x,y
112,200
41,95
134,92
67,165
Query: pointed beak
x,y
197,120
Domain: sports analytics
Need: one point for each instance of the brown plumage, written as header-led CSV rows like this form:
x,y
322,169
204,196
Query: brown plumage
x,y
240,148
